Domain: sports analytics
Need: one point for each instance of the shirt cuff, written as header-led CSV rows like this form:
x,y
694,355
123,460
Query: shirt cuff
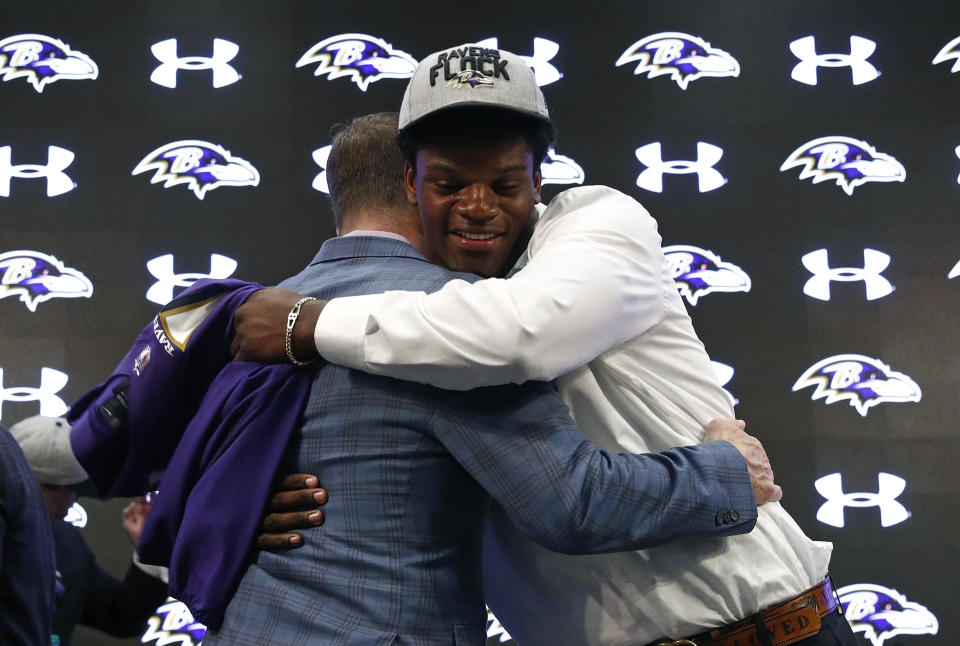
x,y
342,327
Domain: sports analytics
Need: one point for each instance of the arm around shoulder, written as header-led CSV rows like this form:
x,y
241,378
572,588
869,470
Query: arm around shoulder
x,y
592,281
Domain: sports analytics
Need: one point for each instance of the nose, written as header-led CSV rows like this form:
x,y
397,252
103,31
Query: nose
x,y
477,202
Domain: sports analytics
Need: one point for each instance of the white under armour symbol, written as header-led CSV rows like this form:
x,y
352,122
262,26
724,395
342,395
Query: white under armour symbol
x,y
320,156
861,69
51,382
889,487
874,262
949,51
58,182
543,52
76,515
166,52
708,177
724,374
161,267
955,271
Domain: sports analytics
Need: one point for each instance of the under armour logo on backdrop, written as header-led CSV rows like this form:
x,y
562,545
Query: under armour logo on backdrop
x,y
861,70
708,178
76,515
51,382
166,73
544,50
58,160
874,262
949,51
889,487
320,156
161,267
724,374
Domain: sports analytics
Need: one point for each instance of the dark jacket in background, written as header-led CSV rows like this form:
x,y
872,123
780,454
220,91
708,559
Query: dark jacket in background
x,y
26,552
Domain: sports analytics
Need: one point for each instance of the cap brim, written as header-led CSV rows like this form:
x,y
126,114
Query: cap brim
x,y
86,489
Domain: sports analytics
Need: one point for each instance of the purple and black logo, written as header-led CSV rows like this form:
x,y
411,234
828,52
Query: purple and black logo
x,y
36,277
881,613
684,57
201,165
699,272
42,60
361,58
863,381
850,162
173,623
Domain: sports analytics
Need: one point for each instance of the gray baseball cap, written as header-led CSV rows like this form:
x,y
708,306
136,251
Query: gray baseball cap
x,y
46,444
471,75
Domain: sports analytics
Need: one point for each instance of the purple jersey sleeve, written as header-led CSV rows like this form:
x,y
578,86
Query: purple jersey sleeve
x,y
125,430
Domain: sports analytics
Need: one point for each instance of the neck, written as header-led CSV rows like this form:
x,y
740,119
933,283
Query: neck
x,y
400,221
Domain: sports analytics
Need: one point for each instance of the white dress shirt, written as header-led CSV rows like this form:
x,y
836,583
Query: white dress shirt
x,y
591,303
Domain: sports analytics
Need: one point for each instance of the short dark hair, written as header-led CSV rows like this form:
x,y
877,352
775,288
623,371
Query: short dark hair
x,y
480,123
365,167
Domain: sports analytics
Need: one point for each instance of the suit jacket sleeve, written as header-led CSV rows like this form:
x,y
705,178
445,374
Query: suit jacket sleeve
x,y
593,281
125,430
562,491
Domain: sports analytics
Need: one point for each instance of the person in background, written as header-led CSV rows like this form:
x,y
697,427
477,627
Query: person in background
x,y
86,594
26,552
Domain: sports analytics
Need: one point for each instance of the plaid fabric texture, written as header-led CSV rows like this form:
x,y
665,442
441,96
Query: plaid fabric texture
x,y
410,470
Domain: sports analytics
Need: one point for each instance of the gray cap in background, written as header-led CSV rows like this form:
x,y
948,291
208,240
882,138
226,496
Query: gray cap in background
x,y
471,75
46,444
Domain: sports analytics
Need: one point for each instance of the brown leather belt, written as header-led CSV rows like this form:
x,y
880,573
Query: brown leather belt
x,y
785,623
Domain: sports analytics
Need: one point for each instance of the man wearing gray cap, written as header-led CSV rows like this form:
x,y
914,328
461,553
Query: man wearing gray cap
x,y
592,302
86,593
26,552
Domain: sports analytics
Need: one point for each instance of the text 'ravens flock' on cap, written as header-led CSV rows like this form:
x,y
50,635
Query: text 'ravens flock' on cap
x,y
471,75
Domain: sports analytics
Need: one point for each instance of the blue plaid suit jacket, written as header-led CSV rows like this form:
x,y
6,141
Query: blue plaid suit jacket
x,y
411,469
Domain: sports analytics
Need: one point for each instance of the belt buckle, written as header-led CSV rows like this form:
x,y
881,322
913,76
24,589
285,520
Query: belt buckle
x,y
676,642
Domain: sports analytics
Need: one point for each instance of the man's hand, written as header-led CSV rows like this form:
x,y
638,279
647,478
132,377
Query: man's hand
x,y
134,517
293,506
758,465
260,327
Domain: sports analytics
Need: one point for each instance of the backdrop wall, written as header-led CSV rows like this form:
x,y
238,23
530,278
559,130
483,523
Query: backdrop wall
x,y
804,155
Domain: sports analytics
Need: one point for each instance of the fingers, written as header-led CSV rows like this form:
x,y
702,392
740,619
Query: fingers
x,y
298,481
300,500
279,523
777,494
279,542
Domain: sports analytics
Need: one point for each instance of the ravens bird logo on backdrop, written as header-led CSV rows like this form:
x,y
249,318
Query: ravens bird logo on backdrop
x,y
361,58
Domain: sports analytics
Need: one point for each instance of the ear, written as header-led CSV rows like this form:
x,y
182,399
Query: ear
x,y
410,179
537,177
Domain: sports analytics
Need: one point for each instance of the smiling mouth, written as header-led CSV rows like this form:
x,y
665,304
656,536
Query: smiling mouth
x,y
476,236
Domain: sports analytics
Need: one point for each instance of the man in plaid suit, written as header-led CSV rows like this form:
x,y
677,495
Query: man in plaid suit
x,y
412,467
